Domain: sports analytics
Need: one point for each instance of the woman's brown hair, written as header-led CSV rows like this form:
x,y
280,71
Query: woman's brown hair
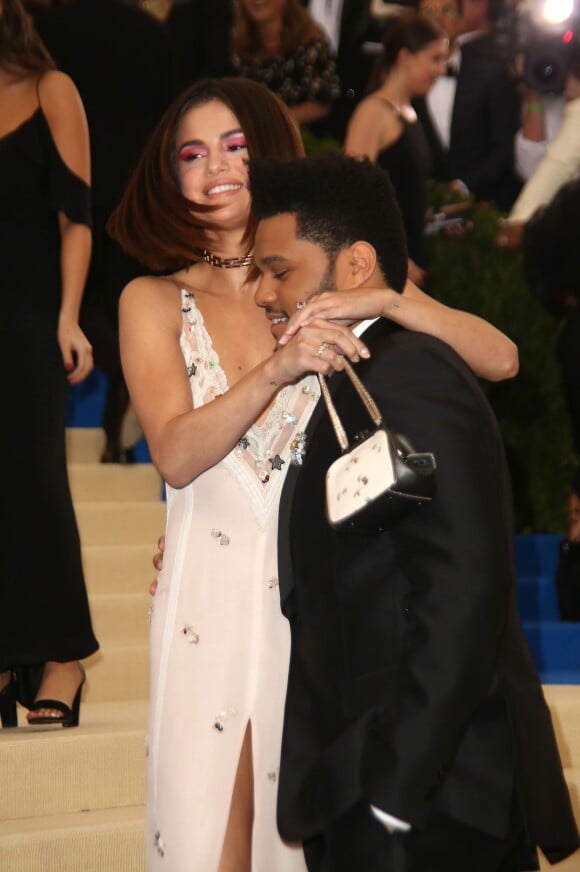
x,y
153,221
403,30
298,28
22,52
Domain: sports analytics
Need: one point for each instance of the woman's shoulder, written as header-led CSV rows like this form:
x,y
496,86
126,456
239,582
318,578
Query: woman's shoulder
x,y
156,295
56,89
376,113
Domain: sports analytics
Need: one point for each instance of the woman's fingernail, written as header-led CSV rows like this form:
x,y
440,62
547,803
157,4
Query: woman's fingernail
x,y
365,352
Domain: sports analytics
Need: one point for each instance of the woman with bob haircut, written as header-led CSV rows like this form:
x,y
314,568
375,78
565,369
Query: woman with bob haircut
x,y
223,415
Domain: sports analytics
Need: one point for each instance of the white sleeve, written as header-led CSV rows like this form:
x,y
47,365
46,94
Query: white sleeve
x,y
527,154
560,164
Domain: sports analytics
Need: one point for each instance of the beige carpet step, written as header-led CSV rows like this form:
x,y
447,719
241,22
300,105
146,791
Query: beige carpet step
x,y
121,619
564,702
100,764
113,523
90,841
108,481
116,673
84,444
119,568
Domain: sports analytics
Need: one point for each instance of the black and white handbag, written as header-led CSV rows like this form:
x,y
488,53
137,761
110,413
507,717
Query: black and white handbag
x,y
380,478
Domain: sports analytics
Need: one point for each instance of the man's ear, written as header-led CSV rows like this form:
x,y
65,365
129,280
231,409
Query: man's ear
x,y
355,265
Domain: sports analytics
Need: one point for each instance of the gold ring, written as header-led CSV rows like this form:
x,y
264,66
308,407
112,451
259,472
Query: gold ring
x,y
322,347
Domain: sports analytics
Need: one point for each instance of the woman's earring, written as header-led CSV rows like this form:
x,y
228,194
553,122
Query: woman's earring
x,y
301,304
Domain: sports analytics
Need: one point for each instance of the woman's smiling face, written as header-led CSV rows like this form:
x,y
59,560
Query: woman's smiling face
x,y
212,157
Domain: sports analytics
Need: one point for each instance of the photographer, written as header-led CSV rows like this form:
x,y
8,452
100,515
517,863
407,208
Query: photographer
x,y
560,163
551,249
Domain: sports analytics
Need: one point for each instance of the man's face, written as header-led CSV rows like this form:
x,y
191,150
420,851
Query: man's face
x,y
445,13
292,270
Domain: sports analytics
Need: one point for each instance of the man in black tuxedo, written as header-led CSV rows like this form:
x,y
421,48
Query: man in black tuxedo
x,y
416,735
347,23
470,117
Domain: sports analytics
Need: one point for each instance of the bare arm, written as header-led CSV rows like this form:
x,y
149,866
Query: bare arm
x,y
488,351
185,441
306,113
65,114
371,128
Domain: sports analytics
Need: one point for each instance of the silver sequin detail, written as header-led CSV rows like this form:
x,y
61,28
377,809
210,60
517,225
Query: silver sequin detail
x,y
222,717
159,844
221,537
298,449
191,636
273,583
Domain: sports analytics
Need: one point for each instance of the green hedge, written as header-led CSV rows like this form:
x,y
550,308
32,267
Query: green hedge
x,y
471,273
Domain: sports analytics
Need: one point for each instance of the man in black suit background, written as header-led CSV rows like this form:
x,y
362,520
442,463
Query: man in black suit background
x,y
416,734
470,117
347,23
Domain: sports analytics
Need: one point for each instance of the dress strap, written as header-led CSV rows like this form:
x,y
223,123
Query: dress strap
x,y
388,103
38,81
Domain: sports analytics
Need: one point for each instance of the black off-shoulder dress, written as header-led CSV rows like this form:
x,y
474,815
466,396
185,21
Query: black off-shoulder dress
x,y
44,611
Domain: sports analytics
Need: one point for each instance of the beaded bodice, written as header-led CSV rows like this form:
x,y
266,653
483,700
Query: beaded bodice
x,y
261,458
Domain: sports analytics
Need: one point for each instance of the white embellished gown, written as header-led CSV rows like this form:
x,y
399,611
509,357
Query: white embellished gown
x,y
219,642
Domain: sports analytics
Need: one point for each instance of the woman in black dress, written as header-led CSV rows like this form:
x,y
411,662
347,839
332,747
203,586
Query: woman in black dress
x,y
45,242
383,127
280,45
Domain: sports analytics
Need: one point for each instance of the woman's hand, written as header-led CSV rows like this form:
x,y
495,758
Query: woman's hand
x,y
76,350
319,347
157,563
342,308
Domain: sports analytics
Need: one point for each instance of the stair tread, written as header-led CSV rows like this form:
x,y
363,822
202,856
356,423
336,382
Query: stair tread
x,y
97,718
100,817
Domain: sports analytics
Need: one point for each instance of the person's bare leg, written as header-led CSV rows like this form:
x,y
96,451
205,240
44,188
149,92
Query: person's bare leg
x,y
237,848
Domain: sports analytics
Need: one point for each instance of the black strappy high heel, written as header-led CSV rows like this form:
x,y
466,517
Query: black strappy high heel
x,y
70,715
8,714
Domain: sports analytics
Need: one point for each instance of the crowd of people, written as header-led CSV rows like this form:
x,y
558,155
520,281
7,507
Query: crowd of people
x,y
347,700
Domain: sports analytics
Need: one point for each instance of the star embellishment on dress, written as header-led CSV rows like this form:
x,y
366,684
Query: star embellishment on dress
x,y
277,462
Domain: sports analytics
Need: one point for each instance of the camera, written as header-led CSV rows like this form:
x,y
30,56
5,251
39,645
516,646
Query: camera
x,y
544,32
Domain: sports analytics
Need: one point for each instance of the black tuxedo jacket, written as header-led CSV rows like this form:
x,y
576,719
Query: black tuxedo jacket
x,y
484,121
410,685
354,67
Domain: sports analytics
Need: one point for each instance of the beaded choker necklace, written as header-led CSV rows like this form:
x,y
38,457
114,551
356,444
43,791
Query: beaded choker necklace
x,y
223,262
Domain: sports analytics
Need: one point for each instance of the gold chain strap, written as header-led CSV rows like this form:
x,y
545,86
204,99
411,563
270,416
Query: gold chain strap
x,y
366,398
